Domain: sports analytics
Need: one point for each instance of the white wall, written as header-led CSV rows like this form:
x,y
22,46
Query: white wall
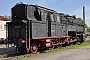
x,y
2,33
3,29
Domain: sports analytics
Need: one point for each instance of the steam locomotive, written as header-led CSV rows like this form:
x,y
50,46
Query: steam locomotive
x,y
34,28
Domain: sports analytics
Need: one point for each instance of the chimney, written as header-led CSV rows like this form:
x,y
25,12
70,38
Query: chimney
x,y
84,17
84,14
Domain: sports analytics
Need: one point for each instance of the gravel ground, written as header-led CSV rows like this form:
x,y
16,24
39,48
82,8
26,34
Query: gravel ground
x,y
71,54
88,38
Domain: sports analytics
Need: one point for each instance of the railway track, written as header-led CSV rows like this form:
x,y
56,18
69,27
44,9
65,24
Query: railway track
x,y
18,55
15,55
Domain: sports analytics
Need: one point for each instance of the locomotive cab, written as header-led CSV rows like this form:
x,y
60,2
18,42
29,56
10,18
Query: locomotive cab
x,y
17,33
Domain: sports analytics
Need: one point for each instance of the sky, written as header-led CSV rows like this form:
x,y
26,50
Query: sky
x,y
71,7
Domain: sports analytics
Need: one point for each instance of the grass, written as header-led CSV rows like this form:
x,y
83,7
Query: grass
x,y
82,45
47,52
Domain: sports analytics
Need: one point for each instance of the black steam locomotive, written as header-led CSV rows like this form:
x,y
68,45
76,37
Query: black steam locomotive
x,y
34,28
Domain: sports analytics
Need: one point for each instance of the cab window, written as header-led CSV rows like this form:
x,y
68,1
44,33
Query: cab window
x,y
52,17
45,16
58,18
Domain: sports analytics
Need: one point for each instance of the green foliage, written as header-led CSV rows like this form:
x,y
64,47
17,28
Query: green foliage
x,y
9,17
88,29
85,25
79,19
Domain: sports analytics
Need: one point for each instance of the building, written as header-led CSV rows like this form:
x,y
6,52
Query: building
x,y
3,30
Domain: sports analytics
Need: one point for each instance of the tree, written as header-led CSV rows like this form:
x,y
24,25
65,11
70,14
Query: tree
x,y
8,17
85,25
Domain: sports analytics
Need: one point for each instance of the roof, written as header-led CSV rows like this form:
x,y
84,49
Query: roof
x,y
2,18
39,7
4,21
